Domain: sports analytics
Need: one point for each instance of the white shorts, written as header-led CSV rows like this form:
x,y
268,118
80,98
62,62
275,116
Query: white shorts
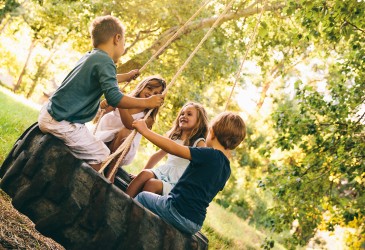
x,y
82,143
166,185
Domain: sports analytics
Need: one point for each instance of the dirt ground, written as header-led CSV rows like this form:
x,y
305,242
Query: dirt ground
x,y
17,231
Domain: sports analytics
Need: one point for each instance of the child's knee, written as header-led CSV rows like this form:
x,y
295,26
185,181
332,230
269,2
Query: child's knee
x,y
147,173
154,186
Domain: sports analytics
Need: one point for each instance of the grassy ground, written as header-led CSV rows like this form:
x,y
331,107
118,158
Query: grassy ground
x,y
226,230
223,229
15,117
16,230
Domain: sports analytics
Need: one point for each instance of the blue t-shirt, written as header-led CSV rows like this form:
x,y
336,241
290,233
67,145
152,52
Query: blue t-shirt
x,y
77,99
205,176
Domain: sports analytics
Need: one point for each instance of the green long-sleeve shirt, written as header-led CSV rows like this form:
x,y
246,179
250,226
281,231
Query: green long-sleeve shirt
x,y
77,99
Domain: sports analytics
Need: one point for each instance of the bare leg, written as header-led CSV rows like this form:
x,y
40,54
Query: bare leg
x,y
113,146
96,167
138,183
119,139
153,186
109,173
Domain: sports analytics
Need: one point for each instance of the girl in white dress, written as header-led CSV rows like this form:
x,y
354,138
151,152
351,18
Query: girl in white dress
x,y
116,124
190,128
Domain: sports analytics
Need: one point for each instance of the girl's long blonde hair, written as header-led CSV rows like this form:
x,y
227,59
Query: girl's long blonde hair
x,y
199,131
143,84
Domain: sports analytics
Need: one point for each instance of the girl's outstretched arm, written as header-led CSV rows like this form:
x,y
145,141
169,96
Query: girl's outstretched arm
x,y
126,118
155,158
164,143
128,102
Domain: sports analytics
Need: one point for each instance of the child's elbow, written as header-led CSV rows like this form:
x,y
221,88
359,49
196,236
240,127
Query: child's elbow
x,y
129,126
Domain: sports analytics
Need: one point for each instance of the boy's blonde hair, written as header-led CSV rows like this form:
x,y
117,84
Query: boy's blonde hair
x,y
105,27
230,129
147,82
199,131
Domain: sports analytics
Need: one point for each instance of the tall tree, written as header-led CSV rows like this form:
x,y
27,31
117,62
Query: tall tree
x,y
314,124
23,71
322,165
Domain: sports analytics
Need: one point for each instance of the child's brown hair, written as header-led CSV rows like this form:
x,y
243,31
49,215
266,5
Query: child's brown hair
x,y
147,82
230,129
105,27
199,131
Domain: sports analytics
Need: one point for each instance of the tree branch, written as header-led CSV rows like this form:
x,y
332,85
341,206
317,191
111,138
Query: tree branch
x,y
139,38
361,117
353,25
274,74
137,61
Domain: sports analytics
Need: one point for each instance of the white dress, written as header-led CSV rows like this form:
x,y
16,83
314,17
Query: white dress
x,y
109,126
170,172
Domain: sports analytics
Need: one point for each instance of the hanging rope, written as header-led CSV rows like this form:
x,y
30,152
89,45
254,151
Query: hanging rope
x,y
252,38
158,52
102,112
128,142
122,150
178,32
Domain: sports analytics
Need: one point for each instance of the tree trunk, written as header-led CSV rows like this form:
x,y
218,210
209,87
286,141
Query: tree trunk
x,y
22,73
5,23
39,73
274,73
137,61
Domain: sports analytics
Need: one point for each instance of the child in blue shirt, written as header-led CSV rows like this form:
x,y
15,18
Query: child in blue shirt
x,y
209,169
77,100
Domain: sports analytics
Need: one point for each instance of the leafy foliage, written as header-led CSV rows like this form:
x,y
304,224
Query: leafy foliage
x,y
303,159
6,7
323,136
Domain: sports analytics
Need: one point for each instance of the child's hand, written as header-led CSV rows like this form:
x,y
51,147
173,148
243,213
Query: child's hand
x,y
149,122
155,101
104,104
132,75
140,125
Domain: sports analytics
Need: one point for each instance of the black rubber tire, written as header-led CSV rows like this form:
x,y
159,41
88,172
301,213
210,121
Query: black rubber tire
x,y
77,207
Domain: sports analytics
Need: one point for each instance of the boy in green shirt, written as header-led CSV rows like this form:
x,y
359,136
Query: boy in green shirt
x,y
77,100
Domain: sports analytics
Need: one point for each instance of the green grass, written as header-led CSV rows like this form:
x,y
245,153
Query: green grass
x,y
224,230
15,117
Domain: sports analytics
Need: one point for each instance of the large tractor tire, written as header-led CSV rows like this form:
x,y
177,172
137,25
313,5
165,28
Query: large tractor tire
x,y
77,207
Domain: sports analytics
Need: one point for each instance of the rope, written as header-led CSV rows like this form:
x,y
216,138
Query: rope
x,y
102,112
174,36
252,38
122,149
129,139
200,43
178,32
